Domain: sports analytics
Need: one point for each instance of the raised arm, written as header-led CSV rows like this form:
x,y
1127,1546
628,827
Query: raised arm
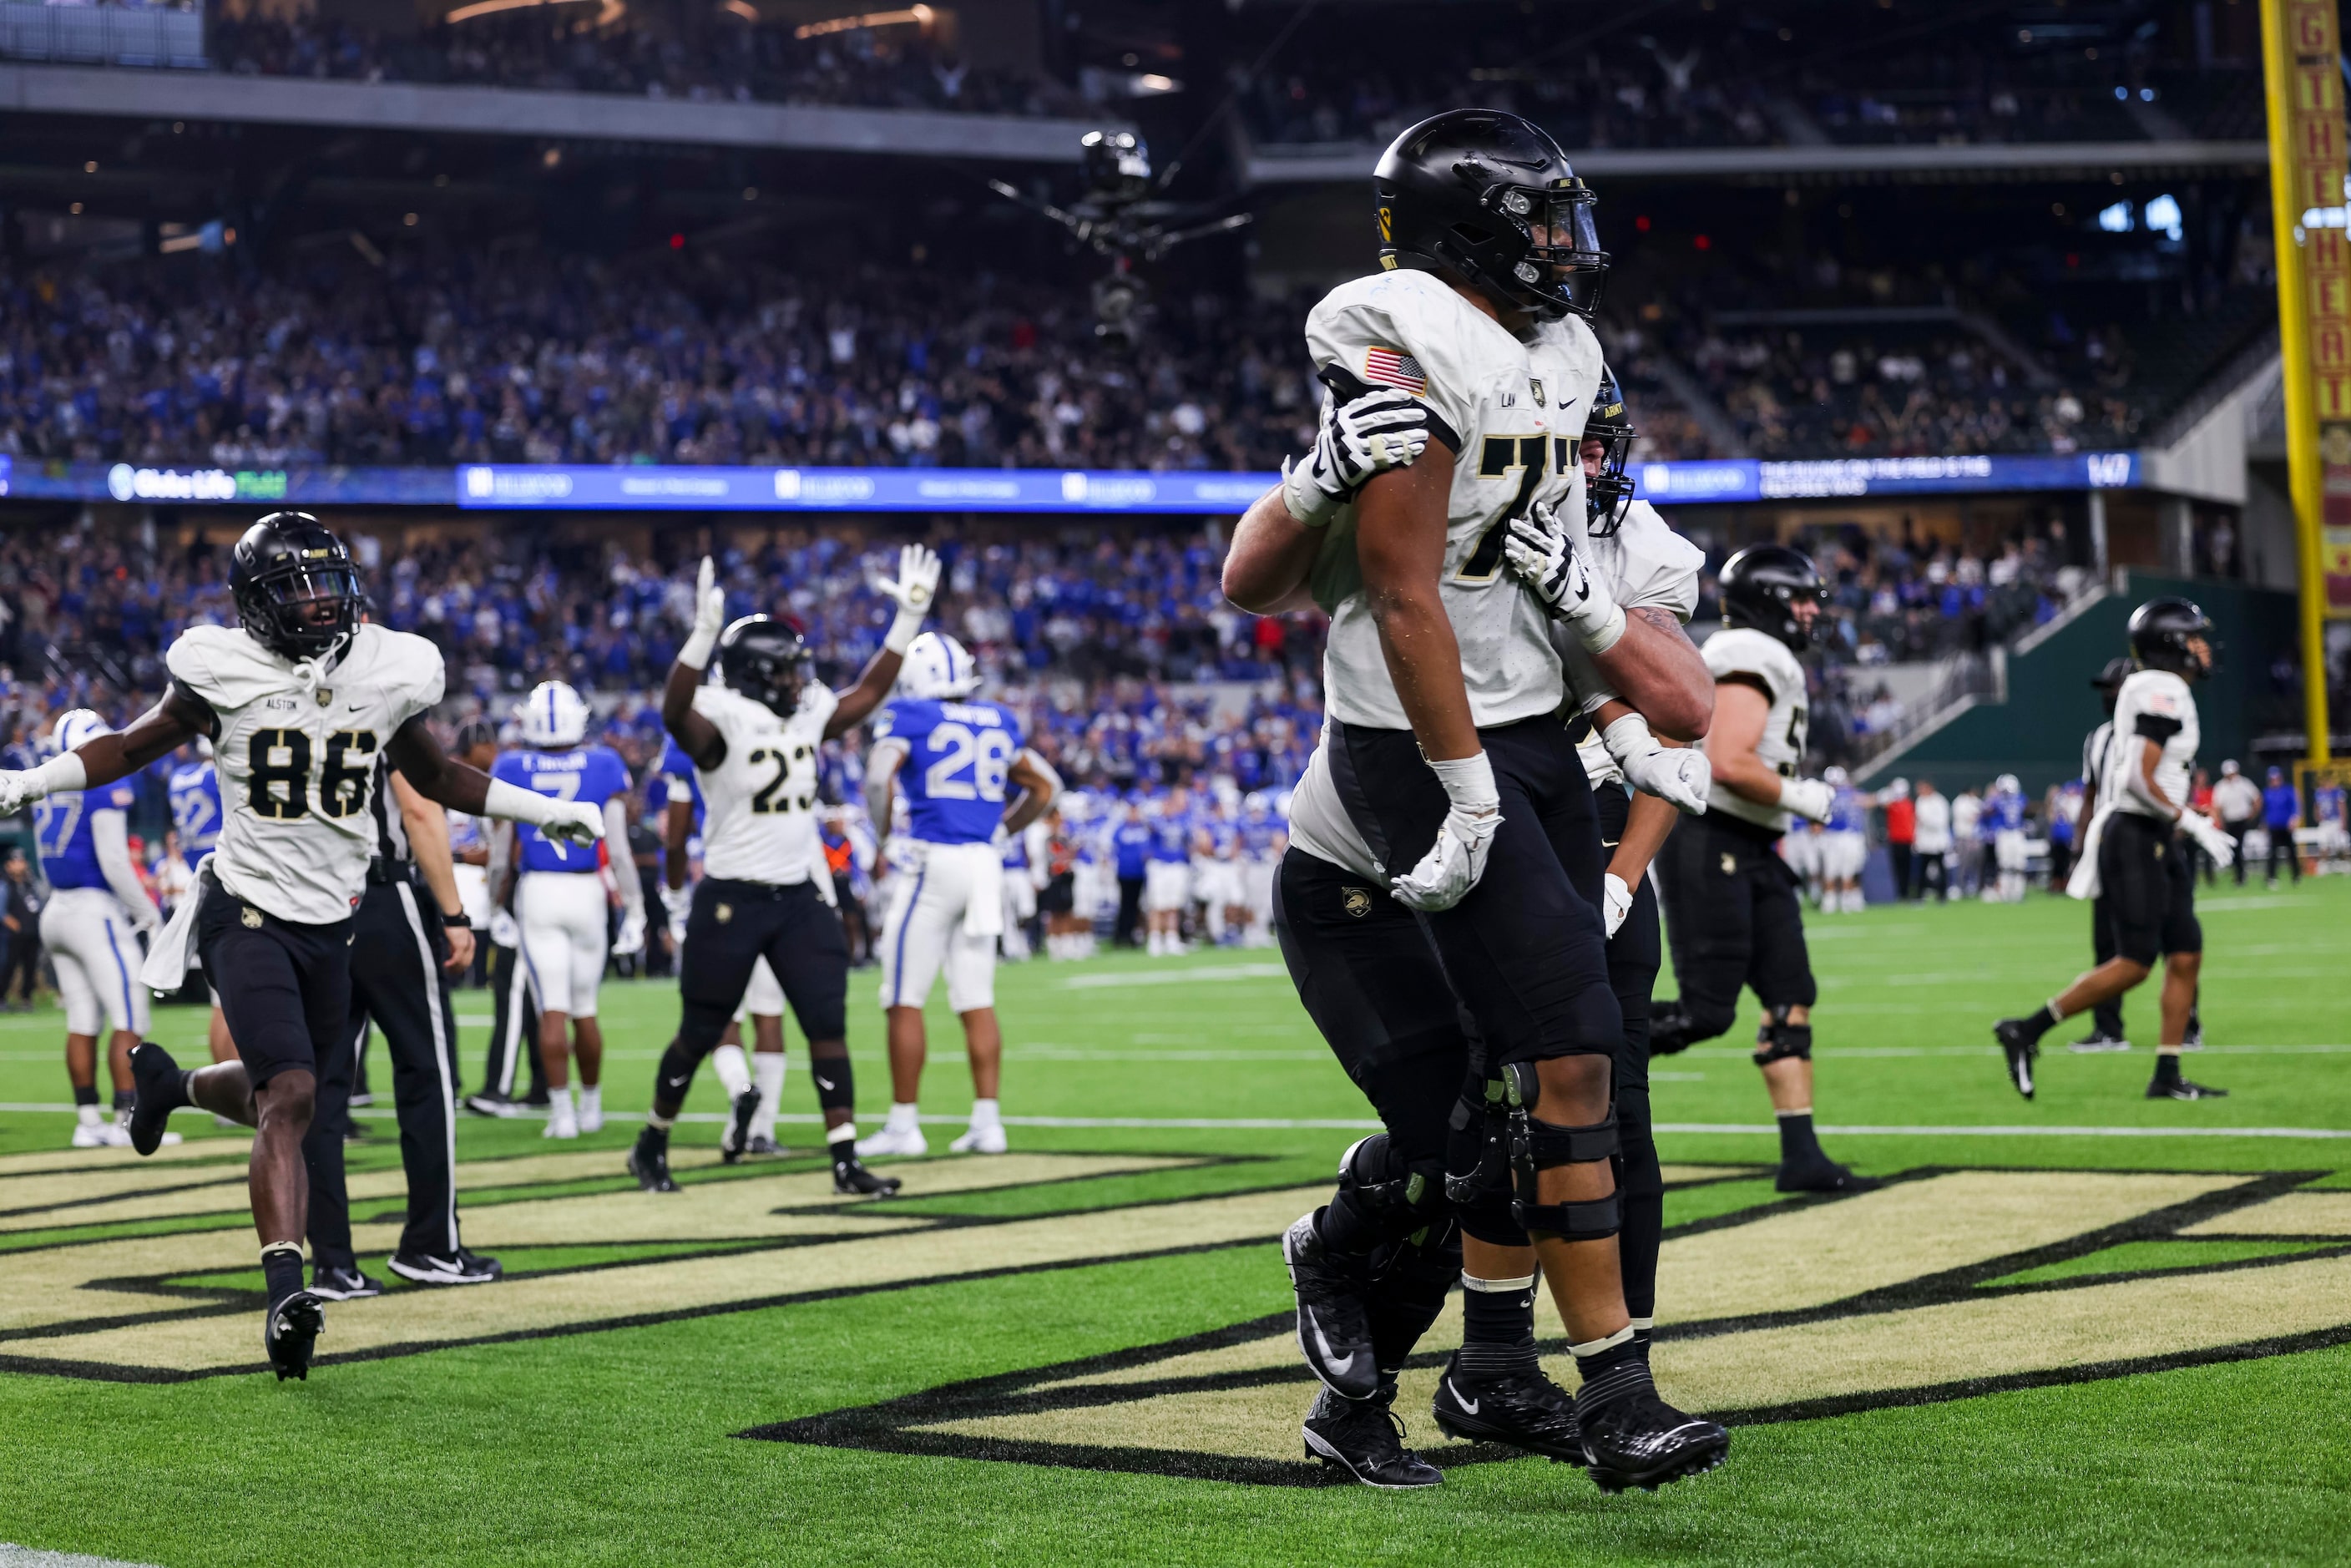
x,y
439,777
916,585
881,768
162,729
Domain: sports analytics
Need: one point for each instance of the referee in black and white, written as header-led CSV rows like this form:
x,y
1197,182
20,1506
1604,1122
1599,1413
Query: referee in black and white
x,y
409,933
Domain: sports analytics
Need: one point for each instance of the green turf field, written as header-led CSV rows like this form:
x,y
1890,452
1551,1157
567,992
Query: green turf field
x,y
2092,1327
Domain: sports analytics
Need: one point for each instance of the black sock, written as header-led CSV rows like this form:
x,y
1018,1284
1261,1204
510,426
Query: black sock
x,y
85,1097
180,1090
281,1266
1797,1144
2040,1021
1497,1328
125,1098
2166,1067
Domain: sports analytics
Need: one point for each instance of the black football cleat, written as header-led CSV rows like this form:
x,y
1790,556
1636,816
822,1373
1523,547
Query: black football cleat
x,y
2181,1088
852,1179
289,1329
1821,1174
1633,1438
2020,1050
1363,1438
1334,1332
766,1148
336,1284
1671,1031
1522,1409
155,1079
2098,1040
649,1161
737,1138
465,1267
490,1102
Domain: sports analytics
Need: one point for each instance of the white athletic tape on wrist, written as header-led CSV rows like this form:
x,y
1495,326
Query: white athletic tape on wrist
x,y
699,645
517,804
1468,781
59,775
1606,635
903,629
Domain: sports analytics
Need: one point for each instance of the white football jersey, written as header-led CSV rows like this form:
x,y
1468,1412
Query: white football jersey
x,y
759,804
2154,705
297,759
1512,411
1647,566
2093,764
1319,823
1743,651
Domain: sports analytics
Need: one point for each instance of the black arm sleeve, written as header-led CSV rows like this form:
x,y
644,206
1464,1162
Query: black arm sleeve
x,y
2156,727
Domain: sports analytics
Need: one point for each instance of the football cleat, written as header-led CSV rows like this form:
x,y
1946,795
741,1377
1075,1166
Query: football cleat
x,y
737,1138
2099,1039
852,1179
1363,1438
894,1141
2021,1050
289,1329
466,1267
100,1136
1633,1438
489,1102
154,1075
1821,1174
2181,1088
762,1146
336,1284
1523,1409
649,1161
980,1141
1334,1332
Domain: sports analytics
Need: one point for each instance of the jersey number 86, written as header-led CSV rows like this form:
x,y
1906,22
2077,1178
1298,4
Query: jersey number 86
x,y
280,760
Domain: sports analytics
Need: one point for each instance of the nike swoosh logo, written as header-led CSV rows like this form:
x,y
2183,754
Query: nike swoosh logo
x,y
1338,1362
1467,1405
822,1082
677,1083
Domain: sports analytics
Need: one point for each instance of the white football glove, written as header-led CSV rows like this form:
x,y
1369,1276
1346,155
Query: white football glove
x,y
505,930
16,791
916,586
709,617
632,937
1811,798
1383,429
1550,558
1680,775
1458,859
2209,839
1616,901
572,822
679,903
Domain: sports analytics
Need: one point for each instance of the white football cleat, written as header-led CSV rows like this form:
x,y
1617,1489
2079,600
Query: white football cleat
x,y
96,1135
894,1141
591,1114
979,1140
562,1124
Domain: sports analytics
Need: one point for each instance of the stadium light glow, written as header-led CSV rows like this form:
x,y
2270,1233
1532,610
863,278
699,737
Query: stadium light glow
x,y
491,7
914,15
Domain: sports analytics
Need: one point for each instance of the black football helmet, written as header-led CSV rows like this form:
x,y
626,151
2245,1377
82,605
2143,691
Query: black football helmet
x,y
2108,682
297,588
1760,586
766,660
2161,630
1608,494
1487,200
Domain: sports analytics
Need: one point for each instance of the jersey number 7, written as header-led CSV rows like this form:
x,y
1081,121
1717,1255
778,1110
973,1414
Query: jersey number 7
x,y
1532,456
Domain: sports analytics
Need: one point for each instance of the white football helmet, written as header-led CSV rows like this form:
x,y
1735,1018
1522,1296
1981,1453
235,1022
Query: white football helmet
x,y
937,666
1836,778
554,716
2006,784
76,727
1899,791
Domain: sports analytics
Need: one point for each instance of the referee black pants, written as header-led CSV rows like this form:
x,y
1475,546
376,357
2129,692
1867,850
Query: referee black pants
x,y
514,1032
399,986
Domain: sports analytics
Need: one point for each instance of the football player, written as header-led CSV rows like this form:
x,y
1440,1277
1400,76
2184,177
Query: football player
x,y
956,757
2003,822
2106,1017
1167,873
1843,846
194,791
2136,856
560,899
301,700
1467,797
96,912
1732,915
765,889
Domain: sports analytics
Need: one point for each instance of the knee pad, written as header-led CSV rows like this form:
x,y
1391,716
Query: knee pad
x,y
1782,1043
1399,1199
836,1081
1537,1147
1477,1151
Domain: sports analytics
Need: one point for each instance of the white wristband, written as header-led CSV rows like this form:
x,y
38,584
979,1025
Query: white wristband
x,y
1468,782
1598,640
903,628
515,804
699,645
1629,736
61,774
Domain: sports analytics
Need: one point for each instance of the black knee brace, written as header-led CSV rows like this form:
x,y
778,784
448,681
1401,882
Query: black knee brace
x,y
1538,1146
1676,1026
1478,1164
835,1081
1386,1197
1779,1041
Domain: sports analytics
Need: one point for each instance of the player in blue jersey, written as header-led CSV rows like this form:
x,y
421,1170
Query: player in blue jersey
x,y
1263,839
192,786
957,759
562,899
90,926
1168,872
1843,846
2004,825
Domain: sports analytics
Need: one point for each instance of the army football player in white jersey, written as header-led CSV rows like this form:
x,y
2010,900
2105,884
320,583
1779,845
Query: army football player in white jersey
x,y
1733,916
301,701
2135,855
766,888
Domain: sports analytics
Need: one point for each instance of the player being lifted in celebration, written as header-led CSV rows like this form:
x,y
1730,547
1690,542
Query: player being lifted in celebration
x,y
766,889
2135,856
559,899
300,700
954,758
1732,915
96,910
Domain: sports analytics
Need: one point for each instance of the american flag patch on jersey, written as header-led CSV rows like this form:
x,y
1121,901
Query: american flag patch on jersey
x,y
1394,368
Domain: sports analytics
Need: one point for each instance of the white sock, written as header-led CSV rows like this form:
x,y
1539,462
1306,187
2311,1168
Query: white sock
x,y
769,1066
87,1115
902,1117
559,1106
985,1113
592,1099
733,1071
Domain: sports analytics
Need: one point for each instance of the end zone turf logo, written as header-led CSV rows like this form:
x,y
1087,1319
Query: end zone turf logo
x,y
1943,1283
